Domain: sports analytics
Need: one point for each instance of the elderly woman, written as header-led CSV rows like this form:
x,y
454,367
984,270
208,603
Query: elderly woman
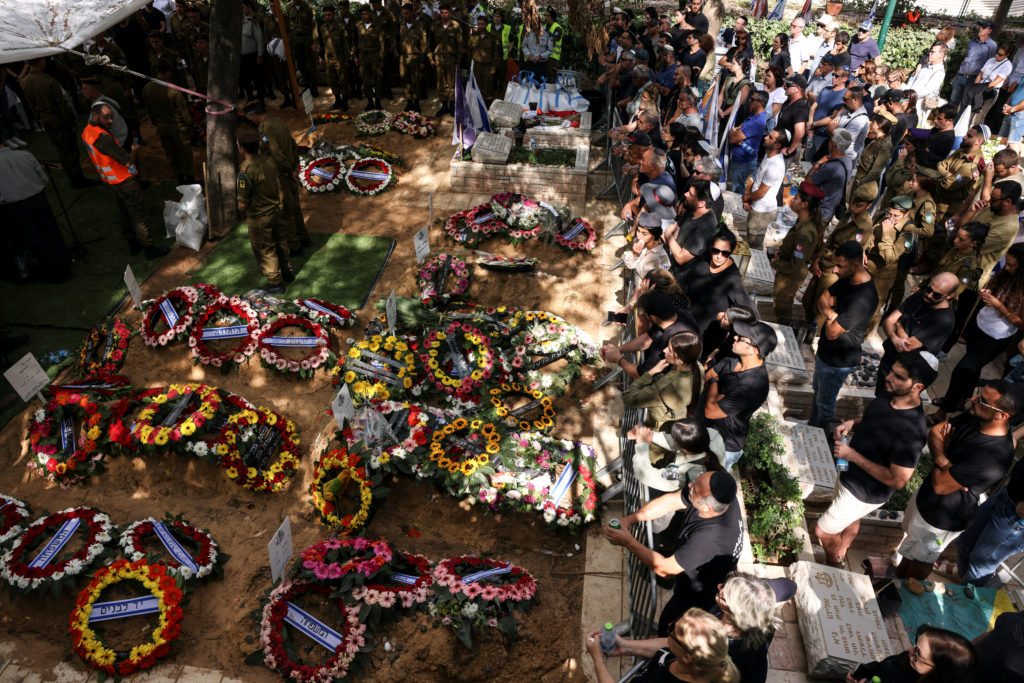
x,y
696,651
747,605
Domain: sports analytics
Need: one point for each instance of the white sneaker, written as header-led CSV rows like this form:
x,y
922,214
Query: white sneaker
x,y
21,143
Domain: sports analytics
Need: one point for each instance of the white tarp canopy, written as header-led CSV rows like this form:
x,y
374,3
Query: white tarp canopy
x,y
36,28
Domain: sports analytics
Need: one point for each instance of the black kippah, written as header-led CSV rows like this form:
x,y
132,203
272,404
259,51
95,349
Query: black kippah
x,y
723,487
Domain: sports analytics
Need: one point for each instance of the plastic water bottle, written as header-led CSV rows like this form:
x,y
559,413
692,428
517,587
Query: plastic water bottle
x,y
608,638
843,465
56,356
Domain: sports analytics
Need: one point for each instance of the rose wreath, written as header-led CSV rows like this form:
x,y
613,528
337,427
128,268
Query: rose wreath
x,y
410,423
473,226
578,236
305,367
181,561
479,365
407,586
374,122
380,367
571,466
331,560
538,333
263,432
433,279
475,593
91,648
282,655
324,312
114,338
517,417
413,123
173,313
121,429
459,463
60,452
247,321
30,573
333,473
322,174
524,218
13,513
369,177
201,402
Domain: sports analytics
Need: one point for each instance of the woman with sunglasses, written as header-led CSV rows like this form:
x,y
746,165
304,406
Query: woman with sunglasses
x,y
940,656
696,651
669,391
714,285
726,320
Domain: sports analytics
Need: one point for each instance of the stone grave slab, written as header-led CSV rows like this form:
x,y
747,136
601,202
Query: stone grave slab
x,y
839,619
733,203
505,114
809,459
786,362
491,148
759,278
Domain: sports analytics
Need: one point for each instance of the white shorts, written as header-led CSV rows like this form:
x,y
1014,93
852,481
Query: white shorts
x,y
921,541
845,509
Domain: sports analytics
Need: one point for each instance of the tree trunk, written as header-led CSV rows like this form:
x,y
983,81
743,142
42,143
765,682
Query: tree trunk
x,y
1000,17
221,152
714,10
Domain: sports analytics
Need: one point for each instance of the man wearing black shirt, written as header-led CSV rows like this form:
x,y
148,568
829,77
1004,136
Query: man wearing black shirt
x,y
690,236
739,386
882,454
708,546
665,322
923,321
694,19
847,307
972,453
794,114
937,142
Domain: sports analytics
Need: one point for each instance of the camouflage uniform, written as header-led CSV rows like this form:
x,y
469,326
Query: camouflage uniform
x,y
258,188
277,142
790,265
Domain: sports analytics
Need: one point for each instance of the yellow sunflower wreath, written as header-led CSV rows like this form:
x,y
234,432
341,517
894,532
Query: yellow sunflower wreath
x,y
517,417
247,445
190,405
165,601
335,471
456,461
378,368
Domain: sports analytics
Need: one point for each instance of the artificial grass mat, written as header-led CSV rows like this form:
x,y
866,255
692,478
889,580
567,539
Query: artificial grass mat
x,y
338,268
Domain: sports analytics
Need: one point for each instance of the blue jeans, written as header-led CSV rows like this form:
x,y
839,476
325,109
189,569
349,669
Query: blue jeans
x,y
960,84
827,383
739,171
995,534
1016,122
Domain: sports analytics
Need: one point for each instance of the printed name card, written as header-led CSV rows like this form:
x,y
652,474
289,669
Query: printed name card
x,y
58,541
522,410
67,432
315,629
120,609
225,332
550,358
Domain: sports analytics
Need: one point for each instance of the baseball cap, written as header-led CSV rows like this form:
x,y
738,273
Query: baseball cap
x,y
797,80
865,25
638,137
760,334
901,201
829,59
987,23
893,95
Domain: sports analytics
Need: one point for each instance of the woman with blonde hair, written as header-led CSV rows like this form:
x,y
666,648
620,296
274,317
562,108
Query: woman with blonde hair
x,y
696,651
747,605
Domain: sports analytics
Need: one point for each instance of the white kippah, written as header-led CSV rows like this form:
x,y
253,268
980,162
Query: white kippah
x,y
930,359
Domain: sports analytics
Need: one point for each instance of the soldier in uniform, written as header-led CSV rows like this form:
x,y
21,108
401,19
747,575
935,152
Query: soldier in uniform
x,y
170,114
301,24
353,84
159,52
503,34
856,227
179,20
447,53
336,50
485,52
553,29
193,28
369,51
276,141
960,172
46,98
201,63
276,66
259,203
893,236
791,260
922,215
389,29
413,48
963,258
877,151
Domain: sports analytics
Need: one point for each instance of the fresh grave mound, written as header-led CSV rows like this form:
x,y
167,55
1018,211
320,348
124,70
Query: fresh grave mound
x,y
234,268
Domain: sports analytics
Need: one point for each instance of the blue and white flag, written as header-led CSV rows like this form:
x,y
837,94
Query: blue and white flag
x,y
780,8
871,14
470,110
711,116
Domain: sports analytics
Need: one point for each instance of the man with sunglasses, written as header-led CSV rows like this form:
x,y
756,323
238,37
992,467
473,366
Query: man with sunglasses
x,y
924,321
708,544
972,452
1001,218
864,47
886,445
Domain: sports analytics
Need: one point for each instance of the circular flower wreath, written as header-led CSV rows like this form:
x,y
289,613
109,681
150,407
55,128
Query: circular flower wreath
x,y
459,462
539,333
481,360
322,174
388,595
406,455
365,386
241,428
328,467
374,122
91,648
271,356
462,227
499,395
115,338
369,177
523,217
430,290
80,457
185,302
133,547
14,565
119,431
242,350
413,123
335,558
326,313
579,236
13,513
151,433
272,630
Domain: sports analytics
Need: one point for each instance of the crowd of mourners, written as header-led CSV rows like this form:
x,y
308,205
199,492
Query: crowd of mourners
x,y
897,223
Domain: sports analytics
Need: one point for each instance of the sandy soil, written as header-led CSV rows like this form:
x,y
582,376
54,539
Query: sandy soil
x,y
217,633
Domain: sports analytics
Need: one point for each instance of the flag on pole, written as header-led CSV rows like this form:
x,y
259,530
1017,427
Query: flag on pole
x,y
780,8
806,14
470,110
871,14
711,117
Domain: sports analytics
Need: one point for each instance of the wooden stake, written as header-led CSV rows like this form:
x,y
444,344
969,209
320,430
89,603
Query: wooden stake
x,y
276,5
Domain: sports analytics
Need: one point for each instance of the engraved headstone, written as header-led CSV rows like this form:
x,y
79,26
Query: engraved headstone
x,y
505,114
760,277
839,619
786,362
809,459
491,148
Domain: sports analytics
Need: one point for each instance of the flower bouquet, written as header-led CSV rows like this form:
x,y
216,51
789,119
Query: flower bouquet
x,y
411,426
413,123
507,264
343,562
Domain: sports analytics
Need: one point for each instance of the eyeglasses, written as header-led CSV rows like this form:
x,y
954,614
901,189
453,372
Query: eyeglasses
x,y
720,252
917,655
981,402
745,340
672,635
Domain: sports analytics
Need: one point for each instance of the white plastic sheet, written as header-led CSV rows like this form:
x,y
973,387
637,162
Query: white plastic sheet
x,y
36,28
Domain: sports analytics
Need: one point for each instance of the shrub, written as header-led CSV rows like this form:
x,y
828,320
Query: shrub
x,y
904,46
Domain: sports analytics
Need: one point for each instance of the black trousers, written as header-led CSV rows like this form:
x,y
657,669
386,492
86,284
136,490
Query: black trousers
x,y
250,78
981,350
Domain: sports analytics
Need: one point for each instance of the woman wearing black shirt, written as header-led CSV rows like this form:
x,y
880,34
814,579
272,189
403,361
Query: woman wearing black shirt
x,y
940,656
713,286
780,54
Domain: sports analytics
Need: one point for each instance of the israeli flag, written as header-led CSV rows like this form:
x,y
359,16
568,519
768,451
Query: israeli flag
x,y
470,110
780,7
